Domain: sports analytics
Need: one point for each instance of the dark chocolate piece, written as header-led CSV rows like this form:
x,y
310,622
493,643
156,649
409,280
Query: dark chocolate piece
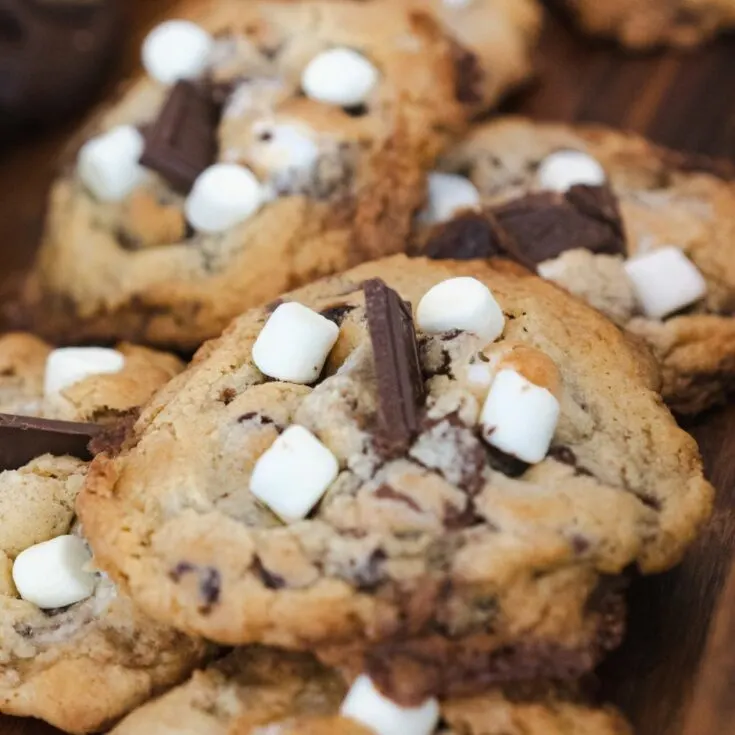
x,y
545,225
182,142
534,228
53,53
208,579
23,438
473,235
397,366
468,75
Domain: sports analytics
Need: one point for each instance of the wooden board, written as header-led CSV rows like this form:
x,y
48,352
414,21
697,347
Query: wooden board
x,y
684,101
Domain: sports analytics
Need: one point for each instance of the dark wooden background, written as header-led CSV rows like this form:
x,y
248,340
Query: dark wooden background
x,y
686,101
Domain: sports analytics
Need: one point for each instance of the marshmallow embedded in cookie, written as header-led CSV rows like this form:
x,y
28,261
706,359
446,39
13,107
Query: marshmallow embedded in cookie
x,y
176,50
69,365
293,474
54,573
108,164
664,281
283,147
447,195
224,195
294,344
341,77
562,170
519,417
461,303
366,705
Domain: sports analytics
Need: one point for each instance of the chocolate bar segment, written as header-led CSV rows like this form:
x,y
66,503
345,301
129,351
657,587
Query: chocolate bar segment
x,y
23,438
400,383
182,142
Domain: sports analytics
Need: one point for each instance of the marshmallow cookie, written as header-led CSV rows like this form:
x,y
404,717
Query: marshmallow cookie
x,y
432,473
268,143
259,690
73,651
641,24
641,233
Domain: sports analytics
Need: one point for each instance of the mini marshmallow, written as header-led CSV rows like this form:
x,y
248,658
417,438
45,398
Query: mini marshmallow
x,y
519,417
69,365
176,50
108,164
54,573
293,474
564,169
340,77
664,281
366,705
461,303
447,195
284,147
224,195
294,344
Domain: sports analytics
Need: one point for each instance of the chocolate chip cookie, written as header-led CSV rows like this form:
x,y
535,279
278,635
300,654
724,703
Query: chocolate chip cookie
x,y
258,690
641,24
432,472
269,143
641,233
73,651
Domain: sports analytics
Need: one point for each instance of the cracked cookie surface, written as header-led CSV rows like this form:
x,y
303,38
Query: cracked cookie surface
x,y
337,185
445,569
83,666
257,690
663,199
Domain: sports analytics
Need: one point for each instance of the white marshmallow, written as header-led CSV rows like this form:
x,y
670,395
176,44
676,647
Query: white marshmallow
x,y
176,50
457,3
223,195
284,147
293,474
366,705
294,344
108,164
664,281
564,169
69,365
461,303
447,195
54,573
340,77
519,417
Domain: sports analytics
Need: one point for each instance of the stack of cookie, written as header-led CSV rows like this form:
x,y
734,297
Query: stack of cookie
x,y
405,497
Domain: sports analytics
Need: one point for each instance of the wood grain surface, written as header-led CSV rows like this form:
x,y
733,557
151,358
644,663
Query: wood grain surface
x,y
684,101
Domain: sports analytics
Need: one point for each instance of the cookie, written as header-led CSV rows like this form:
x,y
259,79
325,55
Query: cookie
x,y
285,141
641,233
258,690
73,651
385,508
55,53
641,24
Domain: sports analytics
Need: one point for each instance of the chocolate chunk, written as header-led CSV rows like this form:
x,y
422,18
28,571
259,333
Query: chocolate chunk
x,y
543,226
473,235
337,313
53,54
270,580
23,438
505,463
369,575
397,366
209,580
468,75
182,142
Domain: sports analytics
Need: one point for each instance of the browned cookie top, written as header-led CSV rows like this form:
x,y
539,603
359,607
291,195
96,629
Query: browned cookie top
x,y
647,240
424,555
316,118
